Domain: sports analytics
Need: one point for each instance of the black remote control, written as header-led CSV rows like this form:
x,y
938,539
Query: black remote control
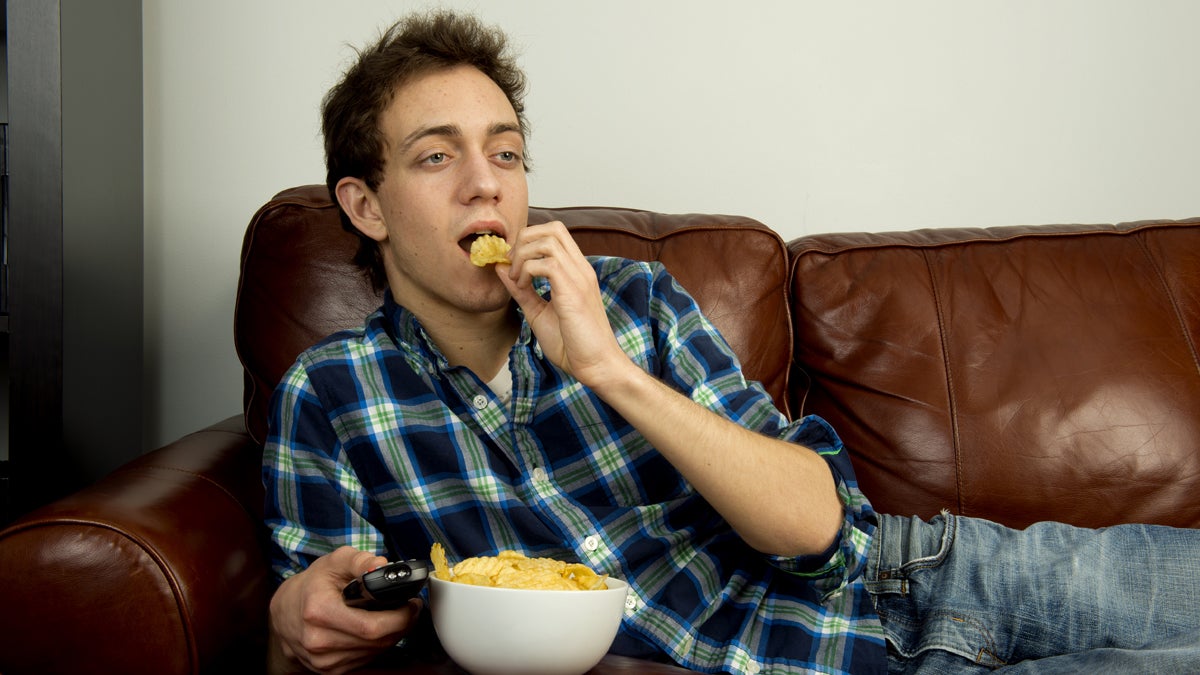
x,y
389,586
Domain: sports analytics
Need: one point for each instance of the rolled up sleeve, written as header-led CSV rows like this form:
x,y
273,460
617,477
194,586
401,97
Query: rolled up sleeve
x,y
846,558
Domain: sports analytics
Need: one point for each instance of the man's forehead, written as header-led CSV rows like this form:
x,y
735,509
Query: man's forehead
x,y
459,100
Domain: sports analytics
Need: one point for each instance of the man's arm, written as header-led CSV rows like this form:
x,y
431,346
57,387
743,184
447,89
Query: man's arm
x,y
779,497
311,627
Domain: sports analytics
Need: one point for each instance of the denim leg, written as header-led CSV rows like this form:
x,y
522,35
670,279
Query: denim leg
x,y
1176,656
956,594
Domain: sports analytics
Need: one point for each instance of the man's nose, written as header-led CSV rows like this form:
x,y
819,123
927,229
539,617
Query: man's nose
x,y
479,180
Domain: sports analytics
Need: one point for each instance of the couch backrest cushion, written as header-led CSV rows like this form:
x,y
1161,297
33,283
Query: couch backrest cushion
x,y
1017,374
298,283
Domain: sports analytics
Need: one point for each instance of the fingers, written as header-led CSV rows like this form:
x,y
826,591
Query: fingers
x,y
545,251
548,251
522,292
571,326
368,634
542,251
314,627
348,563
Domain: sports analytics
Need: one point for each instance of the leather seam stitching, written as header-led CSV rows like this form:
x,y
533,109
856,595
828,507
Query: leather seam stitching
x,y
1171,298
951,398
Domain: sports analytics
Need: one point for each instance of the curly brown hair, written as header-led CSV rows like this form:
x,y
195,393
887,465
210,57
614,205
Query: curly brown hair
x,y
413,46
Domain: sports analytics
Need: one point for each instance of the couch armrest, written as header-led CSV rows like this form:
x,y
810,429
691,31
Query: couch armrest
x,y
156,568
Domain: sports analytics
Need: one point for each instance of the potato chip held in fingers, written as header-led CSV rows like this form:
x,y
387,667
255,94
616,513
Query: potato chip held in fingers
x,y
488,249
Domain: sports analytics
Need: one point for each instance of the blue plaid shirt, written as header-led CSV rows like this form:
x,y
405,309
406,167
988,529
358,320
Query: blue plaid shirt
x,y
378,443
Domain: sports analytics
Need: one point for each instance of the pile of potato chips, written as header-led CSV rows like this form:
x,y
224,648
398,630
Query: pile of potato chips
x,y
510,569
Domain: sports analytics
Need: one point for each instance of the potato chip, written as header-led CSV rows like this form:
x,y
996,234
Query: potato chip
x,y
488,567
538,564
585,577
474,579
542,579
441,569
488,249
511,569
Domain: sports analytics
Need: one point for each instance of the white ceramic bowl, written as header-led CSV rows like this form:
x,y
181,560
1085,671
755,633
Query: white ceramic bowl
x,y
505,631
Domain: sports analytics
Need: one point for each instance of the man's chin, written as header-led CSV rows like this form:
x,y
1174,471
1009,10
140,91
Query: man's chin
x,y
494,303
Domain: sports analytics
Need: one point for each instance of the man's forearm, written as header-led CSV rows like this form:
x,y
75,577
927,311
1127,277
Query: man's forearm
x,y
778,496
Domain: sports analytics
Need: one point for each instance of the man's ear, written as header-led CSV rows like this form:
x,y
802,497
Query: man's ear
x,y
362,206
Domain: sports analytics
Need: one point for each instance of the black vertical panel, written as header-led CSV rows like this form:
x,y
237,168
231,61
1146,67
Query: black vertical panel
x,y
35,254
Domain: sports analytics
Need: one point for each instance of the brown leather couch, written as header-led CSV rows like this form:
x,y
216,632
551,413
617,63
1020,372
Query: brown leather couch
x,y
1019,374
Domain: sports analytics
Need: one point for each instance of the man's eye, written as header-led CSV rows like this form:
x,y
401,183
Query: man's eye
x,y
436,158
508,156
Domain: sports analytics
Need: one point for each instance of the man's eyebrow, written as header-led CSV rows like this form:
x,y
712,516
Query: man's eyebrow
x,y
507,127
452,130
425,132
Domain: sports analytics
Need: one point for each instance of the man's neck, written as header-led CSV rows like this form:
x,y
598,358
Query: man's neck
x,y
480,342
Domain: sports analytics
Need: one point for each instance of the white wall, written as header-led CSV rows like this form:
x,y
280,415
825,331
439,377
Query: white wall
x,y
810,116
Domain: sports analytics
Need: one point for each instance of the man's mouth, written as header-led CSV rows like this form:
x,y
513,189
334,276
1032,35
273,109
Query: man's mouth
x,y
465,242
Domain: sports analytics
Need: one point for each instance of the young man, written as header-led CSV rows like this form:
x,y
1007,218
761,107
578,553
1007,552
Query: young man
x,y
607,422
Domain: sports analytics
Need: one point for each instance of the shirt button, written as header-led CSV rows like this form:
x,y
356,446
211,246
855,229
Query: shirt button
x,y
630,603
753,668
539,474
480,401
591,543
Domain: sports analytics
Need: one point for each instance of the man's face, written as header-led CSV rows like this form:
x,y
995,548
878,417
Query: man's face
x,y
454,168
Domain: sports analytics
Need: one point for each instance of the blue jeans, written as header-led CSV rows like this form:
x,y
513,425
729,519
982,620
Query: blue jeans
x,y
960,595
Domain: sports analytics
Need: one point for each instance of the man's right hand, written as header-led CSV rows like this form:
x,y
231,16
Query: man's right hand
x,y
313,629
